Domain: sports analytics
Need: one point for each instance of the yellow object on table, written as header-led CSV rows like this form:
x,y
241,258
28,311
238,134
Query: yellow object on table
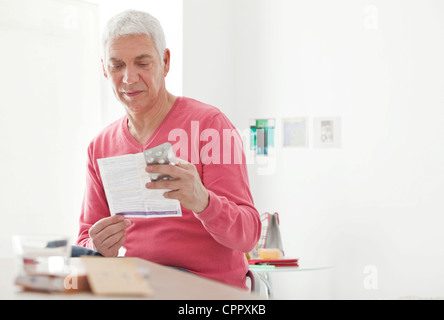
x,y
269,254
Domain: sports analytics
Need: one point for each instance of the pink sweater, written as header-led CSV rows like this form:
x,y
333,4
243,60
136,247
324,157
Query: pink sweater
x,y
211,243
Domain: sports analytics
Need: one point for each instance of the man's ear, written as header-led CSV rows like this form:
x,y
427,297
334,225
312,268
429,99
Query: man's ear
x,y
104,69
166,62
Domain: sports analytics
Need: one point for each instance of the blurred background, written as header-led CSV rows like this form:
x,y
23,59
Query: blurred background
x,y
370,206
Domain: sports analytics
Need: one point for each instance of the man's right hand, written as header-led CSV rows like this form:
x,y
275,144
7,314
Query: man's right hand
x,y
108,235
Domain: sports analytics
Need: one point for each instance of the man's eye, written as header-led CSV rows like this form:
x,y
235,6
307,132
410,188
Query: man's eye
x,y
116,67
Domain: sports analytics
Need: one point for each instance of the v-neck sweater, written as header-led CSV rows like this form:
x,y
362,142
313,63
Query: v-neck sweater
x,y
211,243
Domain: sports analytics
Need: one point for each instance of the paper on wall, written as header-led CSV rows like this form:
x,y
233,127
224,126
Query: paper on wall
x,y
124,178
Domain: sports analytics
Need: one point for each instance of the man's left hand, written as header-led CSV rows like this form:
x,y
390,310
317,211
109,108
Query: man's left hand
x,y
187,186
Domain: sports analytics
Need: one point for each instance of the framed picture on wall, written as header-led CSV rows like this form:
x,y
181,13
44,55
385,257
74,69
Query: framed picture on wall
x,y
327,132
262,133
295,132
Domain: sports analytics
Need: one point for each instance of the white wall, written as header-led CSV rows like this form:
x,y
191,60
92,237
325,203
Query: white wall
x,y
49,104
209,53
375,202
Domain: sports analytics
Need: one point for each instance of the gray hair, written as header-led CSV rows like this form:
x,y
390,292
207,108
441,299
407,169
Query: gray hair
x,y
132,22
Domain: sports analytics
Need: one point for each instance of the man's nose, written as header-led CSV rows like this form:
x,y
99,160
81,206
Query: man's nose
x,y
131,76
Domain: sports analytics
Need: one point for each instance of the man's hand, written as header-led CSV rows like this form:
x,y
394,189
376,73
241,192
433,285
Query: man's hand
x,y
108,235
187,188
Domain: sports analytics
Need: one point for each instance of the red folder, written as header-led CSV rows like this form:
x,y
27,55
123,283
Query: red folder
x,y
277,262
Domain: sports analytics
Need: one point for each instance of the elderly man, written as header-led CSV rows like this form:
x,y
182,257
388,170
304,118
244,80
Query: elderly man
x,y
219,222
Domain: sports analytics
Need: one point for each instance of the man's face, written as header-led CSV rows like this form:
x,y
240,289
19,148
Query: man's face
x,y
135,69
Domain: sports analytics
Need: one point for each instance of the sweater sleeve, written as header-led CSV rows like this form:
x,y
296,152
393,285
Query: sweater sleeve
x,y
230,217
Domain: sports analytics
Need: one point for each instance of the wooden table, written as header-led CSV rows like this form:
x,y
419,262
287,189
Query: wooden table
x,y
167,284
